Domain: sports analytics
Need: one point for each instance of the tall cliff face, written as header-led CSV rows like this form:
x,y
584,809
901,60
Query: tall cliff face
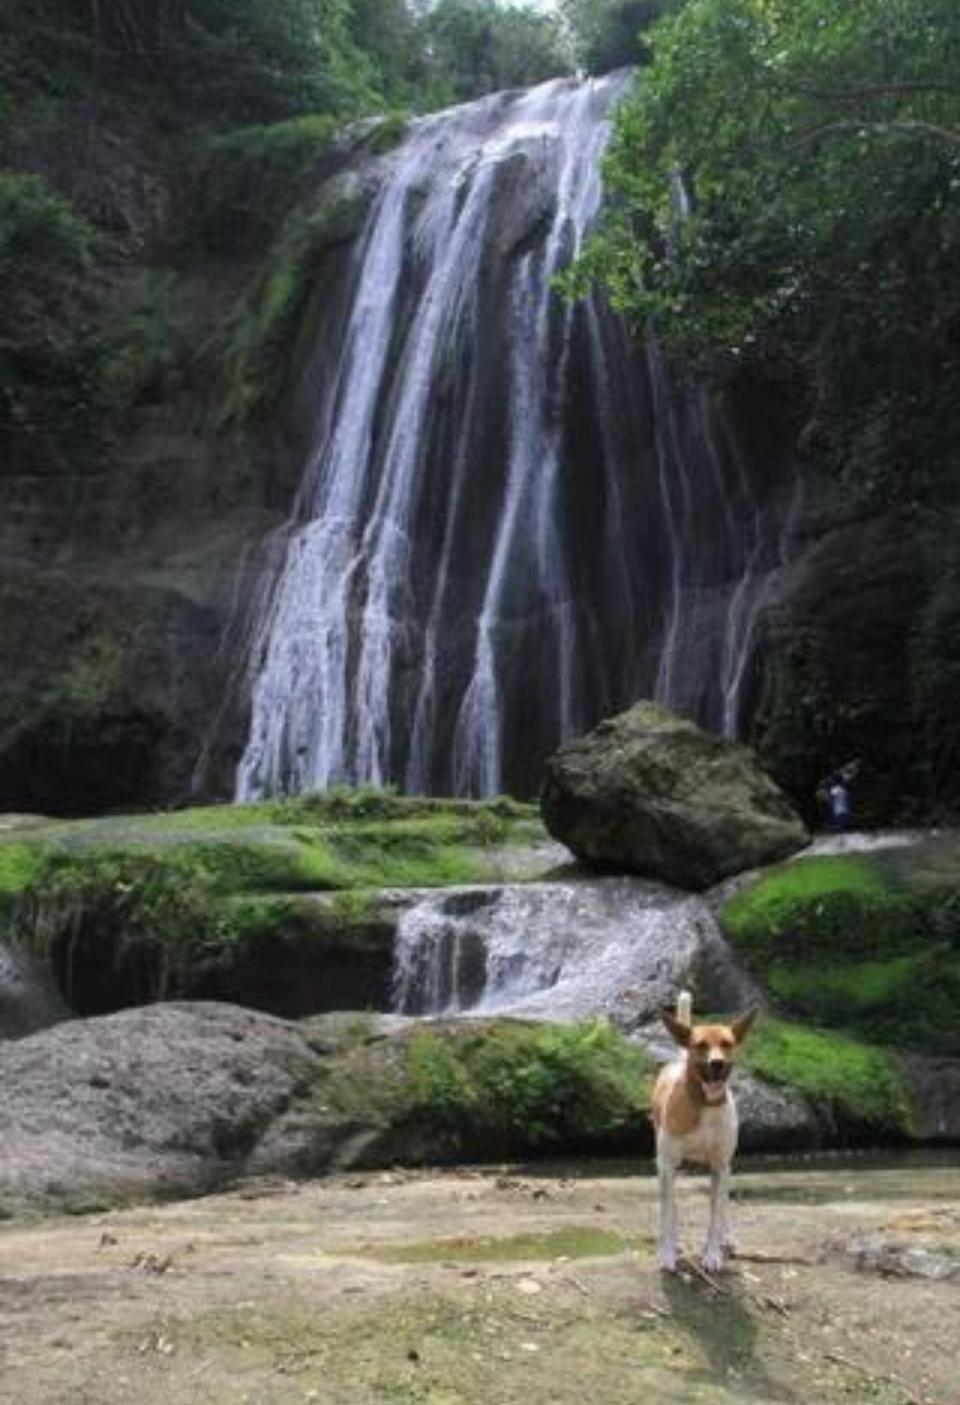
x,y
478,519
126,522
511,522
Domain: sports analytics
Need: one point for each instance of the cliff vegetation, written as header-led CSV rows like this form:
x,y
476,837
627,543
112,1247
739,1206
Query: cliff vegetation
x,y
812,267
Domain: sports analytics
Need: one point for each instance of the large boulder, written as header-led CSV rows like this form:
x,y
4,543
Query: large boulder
x,y
652,793
183,1098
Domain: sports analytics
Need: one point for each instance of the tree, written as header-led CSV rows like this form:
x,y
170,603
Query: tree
x,y
482,46
609,34
821,151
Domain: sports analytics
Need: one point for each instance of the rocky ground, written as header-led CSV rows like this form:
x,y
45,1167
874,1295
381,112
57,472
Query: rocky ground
x,y
498,1286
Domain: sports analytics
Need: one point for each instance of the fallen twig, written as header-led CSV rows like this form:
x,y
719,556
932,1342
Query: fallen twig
x,y
699,1272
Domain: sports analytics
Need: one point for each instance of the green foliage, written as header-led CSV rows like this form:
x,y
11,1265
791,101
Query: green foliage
x,y
150,348
518,1085
821,151
859,1084
484,46
38,227
19,865
47,366
262,330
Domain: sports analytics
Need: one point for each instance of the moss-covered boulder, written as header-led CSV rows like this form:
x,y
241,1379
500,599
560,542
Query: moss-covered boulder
x,y
180,1098
652,793
278,906
865,942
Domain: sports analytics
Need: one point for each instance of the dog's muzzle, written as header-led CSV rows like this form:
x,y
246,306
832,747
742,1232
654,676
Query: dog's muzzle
x,y
713,1080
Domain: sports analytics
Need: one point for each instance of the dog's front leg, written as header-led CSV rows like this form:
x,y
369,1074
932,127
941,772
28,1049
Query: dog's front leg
x,y
718,1233
666,1172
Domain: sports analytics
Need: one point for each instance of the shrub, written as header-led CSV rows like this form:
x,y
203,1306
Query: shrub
x,y
516,1085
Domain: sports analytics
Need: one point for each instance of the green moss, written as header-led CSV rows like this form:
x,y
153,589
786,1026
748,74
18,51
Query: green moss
x,y
220,899
826,906
19,865
857,1082
492,1090
569,1242
868,943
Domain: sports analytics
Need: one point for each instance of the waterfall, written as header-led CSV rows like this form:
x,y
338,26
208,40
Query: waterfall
x,y
510,522
29,999
561,951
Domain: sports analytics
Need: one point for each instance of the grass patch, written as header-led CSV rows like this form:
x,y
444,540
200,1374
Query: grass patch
x,y
857,1082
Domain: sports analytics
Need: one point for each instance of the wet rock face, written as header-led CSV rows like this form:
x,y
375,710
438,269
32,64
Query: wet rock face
x,y
170,1097
933,1086
651,793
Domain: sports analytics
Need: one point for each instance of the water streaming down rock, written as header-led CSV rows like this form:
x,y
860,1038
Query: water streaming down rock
x,y
511,522
563,950
29,999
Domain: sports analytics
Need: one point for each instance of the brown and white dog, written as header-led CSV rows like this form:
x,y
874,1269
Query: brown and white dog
x,y
695,1119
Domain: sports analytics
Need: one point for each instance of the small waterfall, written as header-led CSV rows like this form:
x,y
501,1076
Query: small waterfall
x,y
29,1000
511,522
559,951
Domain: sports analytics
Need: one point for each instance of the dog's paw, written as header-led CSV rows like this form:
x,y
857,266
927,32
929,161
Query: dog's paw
x,y
667,1259
711,1260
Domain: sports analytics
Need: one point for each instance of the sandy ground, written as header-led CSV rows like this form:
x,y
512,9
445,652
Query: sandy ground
x,y
510,1287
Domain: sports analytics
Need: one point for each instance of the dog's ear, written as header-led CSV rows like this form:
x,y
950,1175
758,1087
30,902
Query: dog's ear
x,y
679,1030
742,1024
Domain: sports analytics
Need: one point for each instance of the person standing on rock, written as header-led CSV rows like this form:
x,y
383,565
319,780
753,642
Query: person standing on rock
x,y
838,798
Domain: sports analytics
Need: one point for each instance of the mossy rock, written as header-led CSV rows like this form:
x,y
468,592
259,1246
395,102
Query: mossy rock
x,y
476,1090
651,793
275,906
858,1090
864,942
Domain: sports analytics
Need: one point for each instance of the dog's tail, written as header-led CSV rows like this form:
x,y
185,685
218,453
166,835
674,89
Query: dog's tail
x,y
685,1007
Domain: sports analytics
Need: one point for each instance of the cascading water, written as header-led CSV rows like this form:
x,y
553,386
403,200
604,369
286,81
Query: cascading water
x,y
562,950
29,999
511,523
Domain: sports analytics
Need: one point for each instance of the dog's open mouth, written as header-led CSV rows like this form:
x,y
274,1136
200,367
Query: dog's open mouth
x,y
713,1081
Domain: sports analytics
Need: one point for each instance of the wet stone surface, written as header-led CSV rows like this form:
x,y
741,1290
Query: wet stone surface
x,y
505,1287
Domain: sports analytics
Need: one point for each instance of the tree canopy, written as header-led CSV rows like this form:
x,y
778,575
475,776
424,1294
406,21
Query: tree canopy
x,y
265,60
483,46
785,182
610,34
